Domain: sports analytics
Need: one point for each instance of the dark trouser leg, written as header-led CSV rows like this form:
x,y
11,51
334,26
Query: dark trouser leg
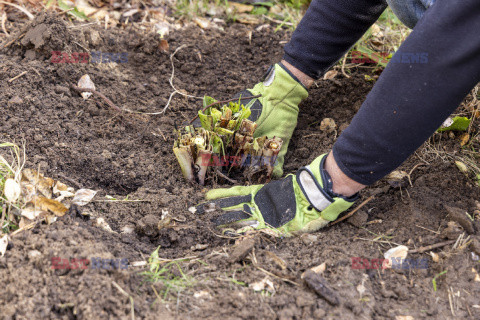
x,y
431,73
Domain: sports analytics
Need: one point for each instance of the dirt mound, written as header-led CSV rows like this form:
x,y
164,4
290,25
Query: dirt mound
x,y
88,144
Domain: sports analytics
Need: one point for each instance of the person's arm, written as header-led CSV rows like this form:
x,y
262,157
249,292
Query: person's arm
x,y
427,79
327,31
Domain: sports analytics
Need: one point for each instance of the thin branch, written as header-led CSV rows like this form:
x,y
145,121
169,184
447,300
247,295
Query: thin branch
x,y
98,94
12,41
432,246
16,77
278,21
132,305
27,13
217,171
353,211
4,210
4,18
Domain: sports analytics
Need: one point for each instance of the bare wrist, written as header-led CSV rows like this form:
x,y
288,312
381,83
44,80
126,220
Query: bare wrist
x,y
304,79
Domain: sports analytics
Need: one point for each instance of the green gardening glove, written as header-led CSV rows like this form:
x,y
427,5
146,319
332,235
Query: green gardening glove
x,y
276,111
298,203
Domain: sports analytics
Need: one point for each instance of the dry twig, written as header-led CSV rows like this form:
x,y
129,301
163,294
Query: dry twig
x,y
432,246
27,13
12,41
16,77
98,94
353,211
128,296
4,18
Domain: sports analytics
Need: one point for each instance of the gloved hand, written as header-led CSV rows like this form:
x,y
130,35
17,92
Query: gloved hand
x,y
299,203
276,111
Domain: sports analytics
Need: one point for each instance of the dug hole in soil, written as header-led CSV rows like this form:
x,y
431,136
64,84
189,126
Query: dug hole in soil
x,y
84,143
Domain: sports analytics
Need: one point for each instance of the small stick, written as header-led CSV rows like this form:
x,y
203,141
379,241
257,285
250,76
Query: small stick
x,y
132,304
12,41
98,94
27,13
343,67
225,177
28,226
4,18
278,21
16,77
411,171
4,210
225,101
353,211
432,246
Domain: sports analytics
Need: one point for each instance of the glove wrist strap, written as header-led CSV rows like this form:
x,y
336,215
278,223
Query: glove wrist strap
x,y
319,195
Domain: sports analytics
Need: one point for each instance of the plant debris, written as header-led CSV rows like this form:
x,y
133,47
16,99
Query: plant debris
x,y
224,143
318,284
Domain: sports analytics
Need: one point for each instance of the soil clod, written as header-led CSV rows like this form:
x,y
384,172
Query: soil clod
x,y
460,216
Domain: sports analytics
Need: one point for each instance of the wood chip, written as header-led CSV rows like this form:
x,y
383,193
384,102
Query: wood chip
x,y
318,284
241,250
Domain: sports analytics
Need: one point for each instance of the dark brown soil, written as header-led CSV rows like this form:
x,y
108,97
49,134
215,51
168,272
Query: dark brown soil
x,y
87,144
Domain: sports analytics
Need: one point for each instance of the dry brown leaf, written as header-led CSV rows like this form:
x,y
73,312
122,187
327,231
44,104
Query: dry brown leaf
x,y
30,212
53,206
83,196
49,218
328,125
397,178
247,19
264,284
42,184
202,23
240,7
164,46
397,252
279,261
464,138
319,269
59,186
100,222
477,276
24,222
